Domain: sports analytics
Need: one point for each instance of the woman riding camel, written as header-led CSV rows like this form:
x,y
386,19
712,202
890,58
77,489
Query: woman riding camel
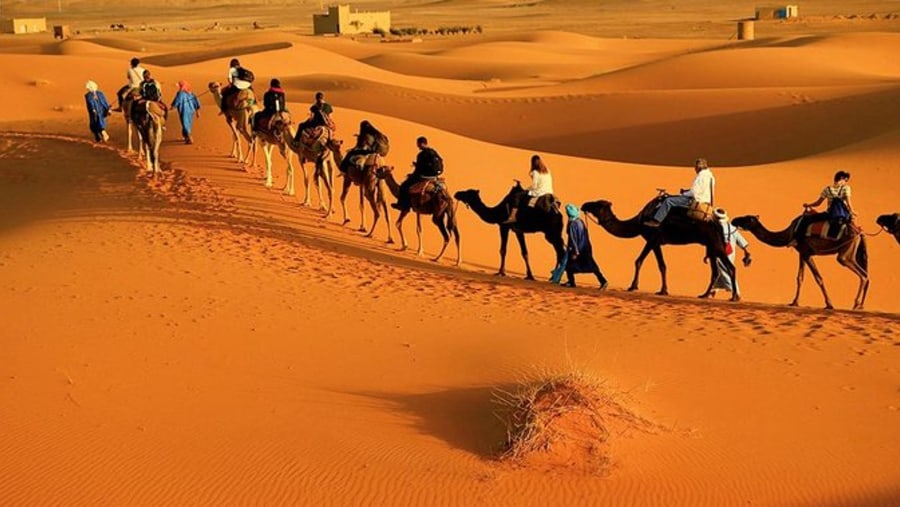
x,y
839,211
541,185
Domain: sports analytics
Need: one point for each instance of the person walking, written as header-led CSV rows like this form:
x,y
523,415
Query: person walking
x,y
188,107
98,110
579,252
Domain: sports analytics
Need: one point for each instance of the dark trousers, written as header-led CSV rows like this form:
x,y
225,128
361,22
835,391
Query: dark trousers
x,y
403,195
120,95
595,269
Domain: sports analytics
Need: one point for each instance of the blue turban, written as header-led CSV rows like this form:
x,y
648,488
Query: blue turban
x,y
572,211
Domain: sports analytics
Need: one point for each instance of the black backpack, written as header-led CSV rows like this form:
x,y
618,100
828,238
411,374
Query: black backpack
x,y
434,164
245,75
150,91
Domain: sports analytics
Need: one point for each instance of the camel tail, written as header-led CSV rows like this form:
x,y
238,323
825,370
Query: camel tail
x,y
862,255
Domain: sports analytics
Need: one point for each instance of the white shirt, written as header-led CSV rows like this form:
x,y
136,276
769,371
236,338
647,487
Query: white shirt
x,y
135,76
232,74
701,189
541,184
733,236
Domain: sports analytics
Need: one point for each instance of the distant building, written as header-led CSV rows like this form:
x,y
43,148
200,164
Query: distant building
x,y
23,25
780,12
340,20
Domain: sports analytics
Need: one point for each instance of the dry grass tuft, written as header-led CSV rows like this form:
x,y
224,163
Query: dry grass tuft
x,y
565,421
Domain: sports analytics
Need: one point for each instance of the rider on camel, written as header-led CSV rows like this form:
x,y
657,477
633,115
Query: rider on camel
x,y
151,92
238,79
428,165
274,101
541,185
135,75
701,191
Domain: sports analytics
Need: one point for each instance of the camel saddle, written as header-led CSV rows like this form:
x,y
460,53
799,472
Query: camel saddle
x,y
546,202
148,106
828,230
309,136
423,191
244,99
700,211
266,122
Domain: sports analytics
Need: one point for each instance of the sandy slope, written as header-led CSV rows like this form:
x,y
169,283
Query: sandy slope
x,y
239,348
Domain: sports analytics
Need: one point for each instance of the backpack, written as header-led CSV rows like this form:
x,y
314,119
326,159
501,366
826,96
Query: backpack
x,y
245,75
150,91
837,208
382,145
434,164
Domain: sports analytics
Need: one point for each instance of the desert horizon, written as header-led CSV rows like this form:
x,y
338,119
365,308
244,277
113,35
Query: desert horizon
x,y
199,337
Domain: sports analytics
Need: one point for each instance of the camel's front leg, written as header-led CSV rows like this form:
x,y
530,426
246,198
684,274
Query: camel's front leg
x,y
637,266
403,244
800,274
362,210
303,162
438,220
267,153
129,132
524,249
329,189
713,276
661,263
818,277
504,241
235,141
344,191
419,235
847,260
379,197
289,183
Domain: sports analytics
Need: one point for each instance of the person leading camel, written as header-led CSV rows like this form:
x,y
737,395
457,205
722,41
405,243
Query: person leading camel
x,y
541,185
701,191
151,91
188,107
428,164
134,76
733,240
98,110
580,253
839,211
274,101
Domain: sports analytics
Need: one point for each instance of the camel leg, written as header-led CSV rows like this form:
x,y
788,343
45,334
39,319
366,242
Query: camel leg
x,y
329,187
520,236
504,240
387,215
454,228
344,191
129,133
818,277
320,175
847,260
267,153
403,244
373,203
421,247
800,275
235,140
439,222
362,210
661,263
637,265
289,184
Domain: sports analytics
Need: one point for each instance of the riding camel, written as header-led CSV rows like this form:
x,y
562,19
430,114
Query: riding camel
x,y
850,249
271,137
238,115
130,129
676,229
149,119
431,200
357,171
890,223
325,152
529,220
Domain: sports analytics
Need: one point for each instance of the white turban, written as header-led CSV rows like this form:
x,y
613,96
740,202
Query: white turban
x,y
91,86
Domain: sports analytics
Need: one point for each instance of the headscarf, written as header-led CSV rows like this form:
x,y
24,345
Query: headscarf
x,y
572,211
184,86
91,86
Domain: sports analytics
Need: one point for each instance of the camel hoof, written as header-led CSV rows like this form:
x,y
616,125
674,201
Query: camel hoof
x,y
362,229
500,273
529,277
794,304
704,296
829,307
632,288
735,299
662,293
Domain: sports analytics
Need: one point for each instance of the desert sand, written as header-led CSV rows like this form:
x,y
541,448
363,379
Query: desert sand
x,y
199,339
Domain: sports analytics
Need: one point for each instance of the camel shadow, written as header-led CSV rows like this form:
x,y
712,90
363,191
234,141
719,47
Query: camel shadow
x,y
466,419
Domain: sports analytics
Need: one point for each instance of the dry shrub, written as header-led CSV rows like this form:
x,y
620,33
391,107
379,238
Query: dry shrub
x,y
565,421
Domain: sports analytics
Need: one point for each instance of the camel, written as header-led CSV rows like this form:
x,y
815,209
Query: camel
x,y
529,220
890,223
676,229
238,119
357,172
851,251
149,121
270,138
130,128
326,154
439,205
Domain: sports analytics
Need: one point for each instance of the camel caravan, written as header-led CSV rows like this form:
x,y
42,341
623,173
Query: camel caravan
x,y
686,218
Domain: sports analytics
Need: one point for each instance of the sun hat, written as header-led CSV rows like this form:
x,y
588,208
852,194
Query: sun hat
x,y
720,214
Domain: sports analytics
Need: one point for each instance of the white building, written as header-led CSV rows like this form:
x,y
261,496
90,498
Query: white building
x,y
341,21
23,25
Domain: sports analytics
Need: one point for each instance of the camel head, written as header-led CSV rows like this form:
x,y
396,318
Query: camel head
x,y
597,208
214,86
468,197
746,222
889,222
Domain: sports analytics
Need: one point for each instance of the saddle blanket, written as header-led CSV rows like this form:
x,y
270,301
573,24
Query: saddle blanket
x,y
826,230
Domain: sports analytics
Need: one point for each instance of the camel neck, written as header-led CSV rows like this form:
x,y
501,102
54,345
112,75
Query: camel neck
x,y
494,215
630,228
777,239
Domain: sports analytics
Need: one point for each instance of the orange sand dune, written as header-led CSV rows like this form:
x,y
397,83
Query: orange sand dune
x,y
202,340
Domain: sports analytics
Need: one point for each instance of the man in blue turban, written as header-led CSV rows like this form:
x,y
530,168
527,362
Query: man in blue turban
x,y
579,251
